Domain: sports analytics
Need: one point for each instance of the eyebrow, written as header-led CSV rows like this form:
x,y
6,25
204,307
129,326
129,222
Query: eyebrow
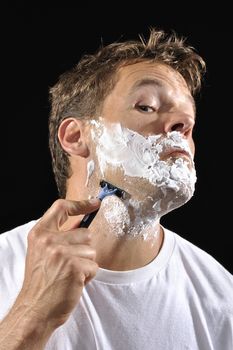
x,y
157,83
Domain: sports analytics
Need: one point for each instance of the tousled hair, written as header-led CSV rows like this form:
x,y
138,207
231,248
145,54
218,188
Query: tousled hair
x,y
81,91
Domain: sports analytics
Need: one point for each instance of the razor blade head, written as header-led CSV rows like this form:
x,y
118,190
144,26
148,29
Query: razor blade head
x,y
111,188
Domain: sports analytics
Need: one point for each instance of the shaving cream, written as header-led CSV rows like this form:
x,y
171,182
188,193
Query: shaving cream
x,y
142,157
90,169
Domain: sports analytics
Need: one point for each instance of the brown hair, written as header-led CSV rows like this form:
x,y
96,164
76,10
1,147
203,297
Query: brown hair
x,y
81,91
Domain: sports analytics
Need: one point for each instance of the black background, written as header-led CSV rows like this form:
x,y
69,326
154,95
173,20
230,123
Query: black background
x,y
38,44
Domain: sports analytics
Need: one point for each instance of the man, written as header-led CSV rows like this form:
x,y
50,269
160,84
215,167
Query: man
x,y
125,116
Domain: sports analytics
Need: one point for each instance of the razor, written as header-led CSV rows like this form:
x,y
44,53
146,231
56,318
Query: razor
x,y
107,189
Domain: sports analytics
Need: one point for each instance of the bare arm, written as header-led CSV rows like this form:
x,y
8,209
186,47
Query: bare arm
x,y
21,330
58,265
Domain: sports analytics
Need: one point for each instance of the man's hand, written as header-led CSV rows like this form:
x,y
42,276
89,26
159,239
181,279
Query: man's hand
x,y
58,265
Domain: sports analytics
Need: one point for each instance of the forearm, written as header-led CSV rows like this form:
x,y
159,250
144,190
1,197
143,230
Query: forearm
x,y
22,330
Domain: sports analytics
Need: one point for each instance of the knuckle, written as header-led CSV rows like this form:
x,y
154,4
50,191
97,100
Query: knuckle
x,y
95,267
38,238
93,254
32,235
81,278
75,267
46,240
56,251
88,238
92,272
59,204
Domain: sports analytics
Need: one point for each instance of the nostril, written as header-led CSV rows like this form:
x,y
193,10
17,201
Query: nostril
x,y
177,127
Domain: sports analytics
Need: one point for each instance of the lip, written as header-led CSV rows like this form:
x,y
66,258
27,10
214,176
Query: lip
x,y
176,153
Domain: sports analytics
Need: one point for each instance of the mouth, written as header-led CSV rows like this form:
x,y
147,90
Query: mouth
x,y
175,153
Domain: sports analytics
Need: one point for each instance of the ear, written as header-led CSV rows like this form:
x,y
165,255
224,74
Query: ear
x,y
72,137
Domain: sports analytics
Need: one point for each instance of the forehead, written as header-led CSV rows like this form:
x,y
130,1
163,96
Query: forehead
x,y
163,75
131,78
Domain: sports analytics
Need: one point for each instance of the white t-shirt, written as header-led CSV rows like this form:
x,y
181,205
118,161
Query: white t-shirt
x,y
181,300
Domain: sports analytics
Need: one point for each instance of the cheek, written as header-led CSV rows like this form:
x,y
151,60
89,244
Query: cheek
x,y
191,144
192,147
113,110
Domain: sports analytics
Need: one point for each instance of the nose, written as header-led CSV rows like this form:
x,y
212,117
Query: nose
x,y
181,122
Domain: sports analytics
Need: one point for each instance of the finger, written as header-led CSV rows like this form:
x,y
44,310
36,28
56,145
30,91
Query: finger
x,y
61,251
82,251
61,209
77,236
89,269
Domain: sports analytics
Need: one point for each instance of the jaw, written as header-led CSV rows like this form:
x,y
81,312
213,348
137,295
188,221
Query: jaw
x,y
132,162
139,216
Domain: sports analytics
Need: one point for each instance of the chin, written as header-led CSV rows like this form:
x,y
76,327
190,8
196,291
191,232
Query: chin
x,y
171,198
134,217
154,202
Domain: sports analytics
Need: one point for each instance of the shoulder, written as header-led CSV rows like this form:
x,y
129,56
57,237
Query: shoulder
x,y
15,239
208,278
13,247
196,257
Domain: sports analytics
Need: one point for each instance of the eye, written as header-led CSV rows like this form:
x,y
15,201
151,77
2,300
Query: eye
x,y
145,108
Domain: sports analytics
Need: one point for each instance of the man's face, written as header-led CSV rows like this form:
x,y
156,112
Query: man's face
x,y
143,139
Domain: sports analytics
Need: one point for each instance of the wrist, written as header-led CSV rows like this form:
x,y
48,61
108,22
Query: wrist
x,y
23,329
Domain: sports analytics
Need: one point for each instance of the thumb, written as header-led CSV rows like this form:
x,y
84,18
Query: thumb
x,y
61,209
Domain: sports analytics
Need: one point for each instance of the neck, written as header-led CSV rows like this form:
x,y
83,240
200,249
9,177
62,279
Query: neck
x,y
121,252
122,239
124,253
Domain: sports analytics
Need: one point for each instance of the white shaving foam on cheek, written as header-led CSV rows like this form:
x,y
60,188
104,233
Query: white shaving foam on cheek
x,y
139,156
90,169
